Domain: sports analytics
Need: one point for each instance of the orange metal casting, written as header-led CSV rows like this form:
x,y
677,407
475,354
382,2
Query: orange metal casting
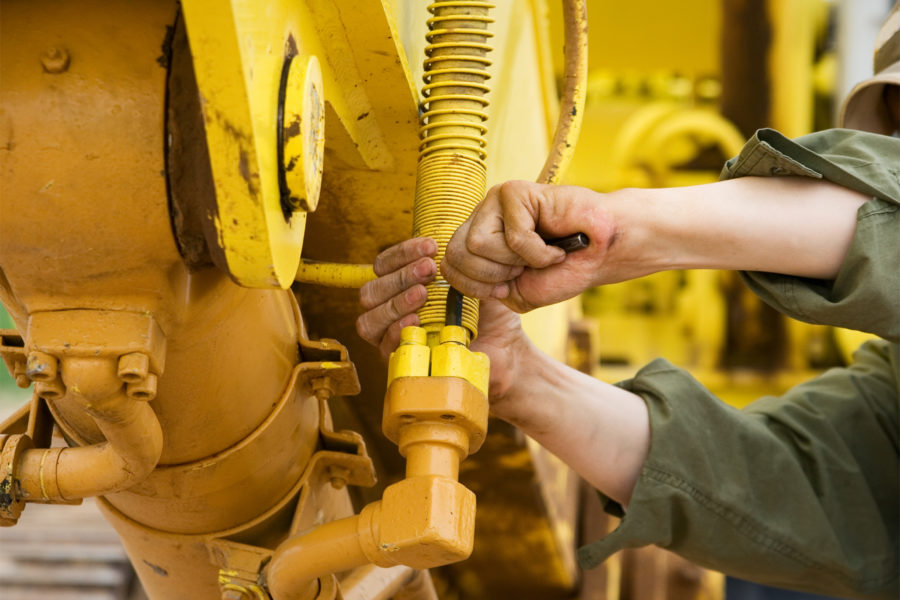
x,y
423,521
87,241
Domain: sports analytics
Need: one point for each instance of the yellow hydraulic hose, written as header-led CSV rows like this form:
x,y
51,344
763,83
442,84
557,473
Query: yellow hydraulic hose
x,y
453,135
571,106
452,173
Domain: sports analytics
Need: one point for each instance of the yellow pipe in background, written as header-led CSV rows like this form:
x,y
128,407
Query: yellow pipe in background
x,y
574,93
334,274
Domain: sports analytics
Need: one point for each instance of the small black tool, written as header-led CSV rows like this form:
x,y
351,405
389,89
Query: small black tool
x,y
570,243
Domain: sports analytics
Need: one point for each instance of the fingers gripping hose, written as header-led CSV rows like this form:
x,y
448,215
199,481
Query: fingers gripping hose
x,y
451,175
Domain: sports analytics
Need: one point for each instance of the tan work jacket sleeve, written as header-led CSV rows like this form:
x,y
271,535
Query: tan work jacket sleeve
x,y
799,491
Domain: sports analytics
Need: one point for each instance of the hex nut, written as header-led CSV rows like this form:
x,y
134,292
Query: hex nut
x,y
41,366
133,367
143,390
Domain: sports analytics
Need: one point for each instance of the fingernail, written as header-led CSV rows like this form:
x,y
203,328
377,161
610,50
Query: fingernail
x,y
559,259
424,269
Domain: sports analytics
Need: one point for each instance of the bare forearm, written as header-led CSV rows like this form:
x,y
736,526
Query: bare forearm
x,y
790,225
601,431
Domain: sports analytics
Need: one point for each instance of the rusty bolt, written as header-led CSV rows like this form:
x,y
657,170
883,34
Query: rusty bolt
x,y
55,59
133,367
143,390
41,366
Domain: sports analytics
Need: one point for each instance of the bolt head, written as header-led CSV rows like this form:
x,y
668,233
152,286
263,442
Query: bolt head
x,y
55,60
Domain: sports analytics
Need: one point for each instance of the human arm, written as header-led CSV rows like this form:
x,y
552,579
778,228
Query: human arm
x,y
791,225
797,491
600,430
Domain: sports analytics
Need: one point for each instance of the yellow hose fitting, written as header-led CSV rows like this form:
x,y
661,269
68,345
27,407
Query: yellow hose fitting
x,y
451,176
453,359
412,357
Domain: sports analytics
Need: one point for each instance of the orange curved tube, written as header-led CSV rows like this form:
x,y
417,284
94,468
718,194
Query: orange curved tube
x,y
131,451
330,548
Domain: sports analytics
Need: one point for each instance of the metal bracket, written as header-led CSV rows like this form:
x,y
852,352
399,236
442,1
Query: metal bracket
x,y
239,569
12,350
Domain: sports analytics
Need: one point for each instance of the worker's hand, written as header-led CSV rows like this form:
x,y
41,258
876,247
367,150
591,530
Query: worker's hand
x,y
391,302
499,252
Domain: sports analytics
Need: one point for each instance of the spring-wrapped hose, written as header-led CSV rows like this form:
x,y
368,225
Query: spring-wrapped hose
x,y
451,176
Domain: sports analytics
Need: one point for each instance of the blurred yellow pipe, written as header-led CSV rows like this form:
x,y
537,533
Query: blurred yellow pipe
x,y
334,274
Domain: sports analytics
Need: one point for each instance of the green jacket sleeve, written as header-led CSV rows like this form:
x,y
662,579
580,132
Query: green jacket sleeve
x,y
799,491
866,293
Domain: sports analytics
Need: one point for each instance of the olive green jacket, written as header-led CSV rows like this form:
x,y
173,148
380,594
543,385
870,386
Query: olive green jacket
x,y
799,491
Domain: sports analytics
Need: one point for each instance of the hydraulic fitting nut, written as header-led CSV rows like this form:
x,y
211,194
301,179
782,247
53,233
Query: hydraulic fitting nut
x,y
451,358
41,366
438,400
412,356
133,367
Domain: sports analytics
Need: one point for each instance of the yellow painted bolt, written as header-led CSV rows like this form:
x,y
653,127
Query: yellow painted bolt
x,y
133,367
55,60
338,476
143,390
50,390
41,366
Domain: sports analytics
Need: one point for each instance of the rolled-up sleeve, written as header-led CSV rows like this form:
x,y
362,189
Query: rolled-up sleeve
x,y
801,490
798,491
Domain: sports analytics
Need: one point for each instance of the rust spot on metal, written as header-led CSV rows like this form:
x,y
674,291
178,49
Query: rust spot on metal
x,y
7,493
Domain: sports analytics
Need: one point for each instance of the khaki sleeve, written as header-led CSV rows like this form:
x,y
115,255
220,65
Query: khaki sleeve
x,y
865,293
799,491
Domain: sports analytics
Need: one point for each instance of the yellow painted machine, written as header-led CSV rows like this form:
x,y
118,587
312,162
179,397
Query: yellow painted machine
x,y
164,168
189,193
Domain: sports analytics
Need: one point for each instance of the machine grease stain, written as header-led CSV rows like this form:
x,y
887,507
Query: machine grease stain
x,y
7,494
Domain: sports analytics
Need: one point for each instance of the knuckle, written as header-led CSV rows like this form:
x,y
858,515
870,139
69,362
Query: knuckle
x,y
403,279
366,295
395,307
516,240
362,328
477,242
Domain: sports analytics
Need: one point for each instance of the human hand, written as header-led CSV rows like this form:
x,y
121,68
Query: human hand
x,y
391,302
500,252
